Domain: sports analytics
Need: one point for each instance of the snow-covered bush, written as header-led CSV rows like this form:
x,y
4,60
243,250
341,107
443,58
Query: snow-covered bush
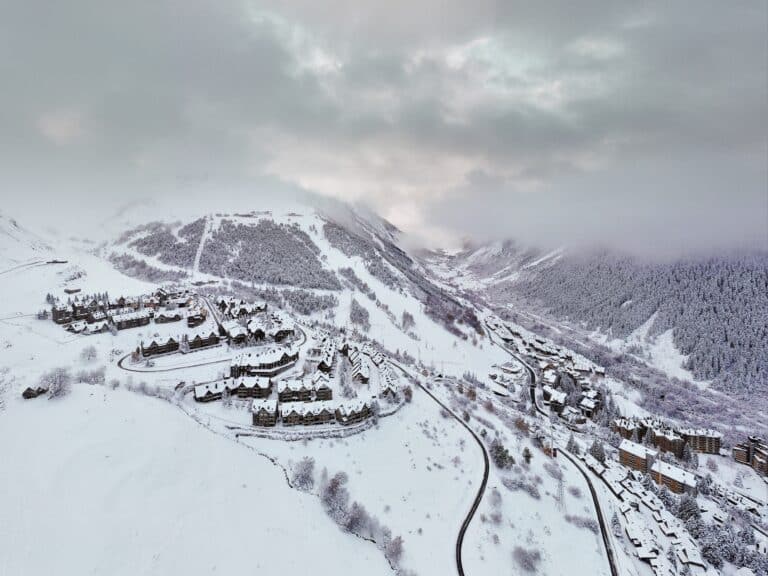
x,y
57,381
89,354
500,455
303,476
526,559
583,522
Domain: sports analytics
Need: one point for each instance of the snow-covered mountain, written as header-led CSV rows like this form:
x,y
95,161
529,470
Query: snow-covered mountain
x,y
702,318
19,245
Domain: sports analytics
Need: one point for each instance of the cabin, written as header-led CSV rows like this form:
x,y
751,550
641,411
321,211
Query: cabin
x,y
61,314
256,329
264,412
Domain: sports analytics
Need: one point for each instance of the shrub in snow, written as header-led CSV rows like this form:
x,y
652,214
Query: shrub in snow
x,y
57,381
597,451
89,354
583,522
92,377
393,550
520,485
527,455
687,508
527,560
500,455
335,496
573,446
304,474
407,321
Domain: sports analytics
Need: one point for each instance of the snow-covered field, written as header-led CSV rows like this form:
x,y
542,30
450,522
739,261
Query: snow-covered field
x,y
111,482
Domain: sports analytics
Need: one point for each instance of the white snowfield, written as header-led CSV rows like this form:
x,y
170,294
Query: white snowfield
x,y
110,482
113,482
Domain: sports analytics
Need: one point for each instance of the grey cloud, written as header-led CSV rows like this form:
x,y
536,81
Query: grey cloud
x,y
563,109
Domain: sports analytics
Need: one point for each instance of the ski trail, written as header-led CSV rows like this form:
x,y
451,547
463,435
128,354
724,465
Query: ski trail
x,y
199,253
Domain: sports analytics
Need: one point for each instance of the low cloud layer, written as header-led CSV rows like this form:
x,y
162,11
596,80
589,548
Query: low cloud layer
x,y
638,125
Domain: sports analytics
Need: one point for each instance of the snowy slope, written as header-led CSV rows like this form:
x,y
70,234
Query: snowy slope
x,y
19,246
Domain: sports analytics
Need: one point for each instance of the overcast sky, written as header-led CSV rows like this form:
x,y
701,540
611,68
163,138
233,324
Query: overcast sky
x,y
641,124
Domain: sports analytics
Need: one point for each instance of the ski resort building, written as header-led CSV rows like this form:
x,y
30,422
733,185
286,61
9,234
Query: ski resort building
x,y
352,412
156,348
636,456
676,479
267,362
702,440
131,319
264,412
753,452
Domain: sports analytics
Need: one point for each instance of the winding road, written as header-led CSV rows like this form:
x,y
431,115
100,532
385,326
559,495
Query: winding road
x,y
600,518
484,482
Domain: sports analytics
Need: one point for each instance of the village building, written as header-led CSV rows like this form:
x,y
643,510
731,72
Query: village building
x,y
61,314
156,348
256,329
232,329
295,390
290,415
131,319
196,317
264,412
267,362
702,440
636,456
753,452
199,341
555,398
675,478
211,391
167,316
352,412
251,387
666,440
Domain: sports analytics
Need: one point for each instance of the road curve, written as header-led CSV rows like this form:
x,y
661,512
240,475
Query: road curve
x,y
481,490
600,519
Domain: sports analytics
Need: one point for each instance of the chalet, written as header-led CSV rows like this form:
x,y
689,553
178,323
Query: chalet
x,y
251,387
78,326
61,314
236,333
702,440
281,326
212,390
635,456
256,329
267,362
352,412
131,320
555,398
295,390
323,392
588,407
202,341
155,348
167,316
361,366
264,412
96,316
290,414
673,477
753,452
98,327
573,416
327,354
196,318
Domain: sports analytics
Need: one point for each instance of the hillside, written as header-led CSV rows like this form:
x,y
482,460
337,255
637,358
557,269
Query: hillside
x,y
709,315
18,245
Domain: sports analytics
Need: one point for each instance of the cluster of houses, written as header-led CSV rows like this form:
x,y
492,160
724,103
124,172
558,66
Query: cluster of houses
x,y
187,343
627,486
275,326
752,452
95,314
667,438
587,403
266,412
645,460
